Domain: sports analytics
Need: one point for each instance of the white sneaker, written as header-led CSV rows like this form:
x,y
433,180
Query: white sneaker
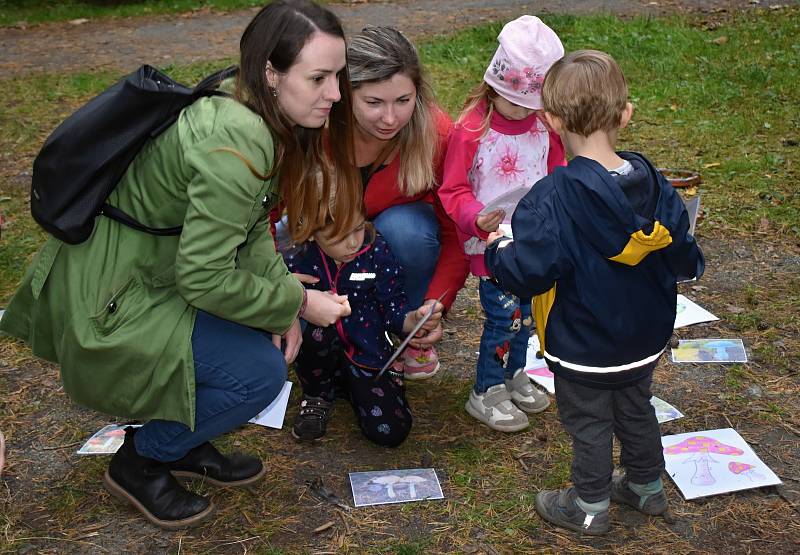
x,y
525,394
495,409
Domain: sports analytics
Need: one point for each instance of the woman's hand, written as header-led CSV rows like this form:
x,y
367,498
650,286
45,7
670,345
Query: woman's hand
x,y
293,338
431,331
489,222
324,308
305,278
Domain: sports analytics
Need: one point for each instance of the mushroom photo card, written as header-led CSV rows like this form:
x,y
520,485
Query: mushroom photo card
x,y
709,350
713,462
106,441
382,487
664,411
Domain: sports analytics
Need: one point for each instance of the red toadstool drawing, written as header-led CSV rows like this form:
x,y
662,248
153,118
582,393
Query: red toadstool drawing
x,y
700,447
745,469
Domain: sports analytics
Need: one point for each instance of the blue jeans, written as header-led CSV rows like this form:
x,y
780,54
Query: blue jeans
x,y
504,342
412,232
238,372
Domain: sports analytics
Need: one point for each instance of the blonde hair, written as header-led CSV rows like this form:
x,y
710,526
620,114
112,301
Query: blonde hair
x,y
587,91
481,93
377,54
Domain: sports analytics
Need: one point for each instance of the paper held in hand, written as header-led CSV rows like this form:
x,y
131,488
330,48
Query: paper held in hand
x,y
507,202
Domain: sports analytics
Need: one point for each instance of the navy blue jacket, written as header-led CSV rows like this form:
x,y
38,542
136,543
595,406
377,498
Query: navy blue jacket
x,y
373,283
602,254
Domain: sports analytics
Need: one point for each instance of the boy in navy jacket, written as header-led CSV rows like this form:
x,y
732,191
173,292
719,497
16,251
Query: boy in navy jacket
x,y
351,352
601,243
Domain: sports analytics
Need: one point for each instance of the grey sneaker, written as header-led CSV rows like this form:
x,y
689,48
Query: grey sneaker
x,y
559,507
495,409
653,505
525,395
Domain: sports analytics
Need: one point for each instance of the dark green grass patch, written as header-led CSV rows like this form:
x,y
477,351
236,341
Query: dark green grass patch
x,y
16,12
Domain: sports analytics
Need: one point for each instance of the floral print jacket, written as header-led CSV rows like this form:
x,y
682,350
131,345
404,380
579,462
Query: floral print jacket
x,y
512,154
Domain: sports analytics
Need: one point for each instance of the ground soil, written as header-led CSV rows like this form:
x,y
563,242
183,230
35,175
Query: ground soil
x,y
51,501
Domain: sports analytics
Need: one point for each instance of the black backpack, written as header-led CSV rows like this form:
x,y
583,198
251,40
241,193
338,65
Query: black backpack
x,y
85,157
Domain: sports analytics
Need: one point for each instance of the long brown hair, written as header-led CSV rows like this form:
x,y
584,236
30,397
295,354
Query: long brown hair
x,y
277,34
377,54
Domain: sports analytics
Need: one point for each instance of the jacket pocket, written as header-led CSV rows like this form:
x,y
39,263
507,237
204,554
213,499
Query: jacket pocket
x,y
125,304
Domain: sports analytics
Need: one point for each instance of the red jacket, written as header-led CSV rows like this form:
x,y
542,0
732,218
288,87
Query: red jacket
x,y
383,191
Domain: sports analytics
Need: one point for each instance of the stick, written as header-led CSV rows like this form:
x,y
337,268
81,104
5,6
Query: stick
x,y
410,336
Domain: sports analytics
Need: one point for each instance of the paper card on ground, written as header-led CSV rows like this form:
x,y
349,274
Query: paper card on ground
x,y
709,350
507,202
536,368
688,312
106,441
713,462
273,415
664,411
394,486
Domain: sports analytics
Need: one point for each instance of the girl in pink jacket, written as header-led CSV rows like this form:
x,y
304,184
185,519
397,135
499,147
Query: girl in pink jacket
x,y
498,149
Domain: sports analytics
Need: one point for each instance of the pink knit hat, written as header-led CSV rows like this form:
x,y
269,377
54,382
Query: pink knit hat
x,y
527,49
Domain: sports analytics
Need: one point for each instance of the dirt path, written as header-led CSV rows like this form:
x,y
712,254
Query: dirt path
x,y
123,44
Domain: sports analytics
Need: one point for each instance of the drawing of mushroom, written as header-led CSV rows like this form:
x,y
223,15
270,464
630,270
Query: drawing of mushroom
x,y
746,469
388,481
720,347
700,447
412,482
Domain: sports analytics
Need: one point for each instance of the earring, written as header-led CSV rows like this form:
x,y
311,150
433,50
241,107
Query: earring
x,y
274,92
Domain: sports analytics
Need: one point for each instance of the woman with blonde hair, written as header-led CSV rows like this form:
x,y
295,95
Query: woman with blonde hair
x,y
400,138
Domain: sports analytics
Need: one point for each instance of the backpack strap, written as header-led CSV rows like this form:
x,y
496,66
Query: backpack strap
x,y
116,214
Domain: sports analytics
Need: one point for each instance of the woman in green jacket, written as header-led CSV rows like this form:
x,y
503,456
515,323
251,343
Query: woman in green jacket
x,y
185,332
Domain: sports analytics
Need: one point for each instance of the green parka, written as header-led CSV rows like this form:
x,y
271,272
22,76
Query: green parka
x,y
117,311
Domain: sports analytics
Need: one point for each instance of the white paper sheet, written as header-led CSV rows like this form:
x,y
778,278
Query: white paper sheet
x,y
536,368
507,201
394,486
273,415
709,350
688,312
713,462
664,411
1,314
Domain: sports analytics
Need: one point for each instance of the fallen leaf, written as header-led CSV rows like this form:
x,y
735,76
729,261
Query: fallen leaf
x,y
79,21
720,40
324,527
711,165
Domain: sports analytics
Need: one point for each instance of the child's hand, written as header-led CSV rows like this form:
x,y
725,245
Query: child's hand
x,y
431,331
494,236
489,222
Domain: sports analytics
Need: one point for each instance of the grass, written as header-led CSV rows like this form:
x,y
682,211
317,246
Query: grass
x,y
29,12
719,101
700,104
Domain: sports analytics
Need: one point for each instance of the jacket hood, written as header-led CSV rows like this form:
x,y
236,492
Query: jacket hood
x,y
623,218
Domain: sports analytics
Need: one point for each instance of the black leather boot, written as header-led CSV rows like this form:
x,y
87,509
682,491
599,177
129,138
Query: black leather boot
x,y
206,463
149,486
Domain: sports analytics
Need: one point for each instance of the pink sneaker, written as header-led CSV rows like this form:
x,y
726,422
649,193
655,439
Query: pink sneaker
x,y
420,363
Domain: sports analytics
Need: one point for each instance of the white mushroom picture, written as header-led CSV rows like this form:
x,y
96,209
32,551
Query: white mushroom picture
x,y
700,447
745,469
388,481
412,482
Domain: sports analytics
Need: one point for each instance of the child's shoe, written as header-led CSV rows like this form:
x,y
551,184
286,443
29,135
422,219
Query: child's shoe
x,y
525,395
420,364
312,421
495,409
653,505
560,507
